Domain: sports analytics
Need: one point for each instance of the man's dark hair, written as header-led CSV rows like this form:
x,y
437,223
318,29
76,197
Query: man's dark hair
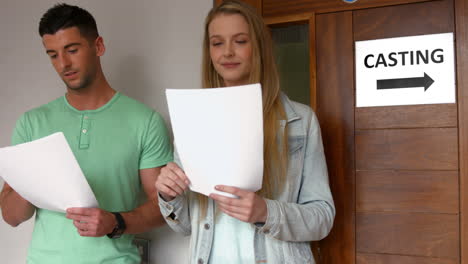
x,y
63,16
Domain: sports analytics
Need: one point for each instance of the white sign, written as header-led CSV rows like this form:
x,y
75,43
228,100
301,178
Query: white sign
x,y
405,71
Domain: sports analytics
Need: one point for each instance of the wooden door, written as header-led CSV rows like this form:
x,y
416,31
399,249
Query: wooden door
x,y
394,170
397,173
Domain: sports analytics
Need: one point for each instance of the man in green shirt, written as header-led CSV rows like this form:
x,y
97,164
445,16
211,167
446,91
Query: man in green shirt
x,y
119,143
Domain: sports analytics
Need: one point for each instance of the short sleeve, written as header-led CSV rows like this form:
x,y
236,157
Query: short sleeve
x,y
22,131
157,149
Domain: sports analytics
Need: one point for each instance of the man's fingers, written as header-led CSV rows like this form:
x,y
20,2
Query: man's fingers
x,y
85,229
79,225
80,211
84,225
77,217
82,214
87,233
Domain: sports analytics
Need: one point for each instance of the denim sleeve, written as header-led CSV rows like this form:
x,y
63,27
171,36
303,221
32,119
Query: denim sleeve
x,y
176,212
311,217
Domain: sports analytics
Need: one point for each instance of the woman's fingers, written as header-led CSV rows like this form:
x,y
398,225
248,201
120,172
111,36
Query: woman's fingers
x,y
176,182
174,168
172,181
248,207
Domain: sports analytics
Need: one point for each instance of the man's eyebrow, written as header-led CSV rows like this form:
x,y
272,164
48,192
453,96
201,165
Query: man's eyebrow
x,y
66,47
72,44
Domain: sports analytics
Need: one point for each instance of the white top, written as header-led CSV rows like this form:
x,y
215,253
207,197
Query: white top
x,y
233,241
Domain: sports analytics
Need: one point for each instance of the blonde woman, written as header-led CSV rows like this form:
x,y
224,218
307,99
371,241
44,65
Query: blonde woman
x,y
294,206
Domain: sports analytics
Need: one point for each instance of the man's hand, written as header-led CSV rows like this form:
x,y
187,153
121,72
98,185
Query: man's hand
x,y
92,222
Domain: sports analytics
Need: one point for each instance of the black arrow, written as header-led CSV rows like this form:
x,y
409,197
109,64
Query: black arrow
x,y
425,82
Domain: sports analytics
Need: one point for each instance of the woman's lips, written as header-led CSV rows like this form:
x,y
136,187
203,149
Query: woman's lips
x,y
230,65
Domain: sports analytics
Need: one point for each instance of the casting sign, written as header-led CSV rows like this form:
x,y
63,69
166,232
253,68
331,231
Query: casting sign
x,y
405,71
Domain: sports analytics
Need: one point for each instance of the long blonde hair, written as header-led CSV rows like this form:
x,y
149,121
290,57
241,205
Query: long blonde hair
x,y
263,71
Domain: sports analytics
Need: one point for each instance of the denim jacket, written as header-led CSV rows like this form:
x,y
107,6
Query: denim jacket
x,y
303,212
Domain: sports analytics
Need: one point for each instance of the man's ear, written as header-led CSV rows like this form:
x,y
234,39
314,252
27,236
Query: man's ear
x,y
100,47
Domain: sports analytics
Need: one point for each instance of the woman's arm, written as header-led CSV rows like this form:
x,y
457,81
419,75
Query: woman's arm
x,y
176,213
311,218
173,201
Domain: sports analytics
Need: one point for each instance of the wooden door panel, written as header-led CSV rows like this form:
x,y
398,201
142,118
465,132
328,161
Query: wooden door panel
x,y
411,116
257,4
407,149
404,20
287,7
394,170
335,111
363,258
461,11
430,235
407,191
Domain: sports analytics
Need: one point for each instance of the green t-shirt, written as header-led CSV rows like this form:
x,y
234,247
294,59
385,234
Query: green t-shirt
x,y
111,144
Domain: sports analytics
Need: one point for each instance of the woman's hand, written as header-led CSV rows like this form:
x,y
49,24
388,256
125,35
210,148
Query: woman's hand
x,y
171,182
249,207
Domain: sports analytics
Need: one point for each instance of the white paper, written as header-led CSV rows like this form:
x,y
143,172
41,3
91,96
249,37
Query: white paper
x,y
218,134
46,173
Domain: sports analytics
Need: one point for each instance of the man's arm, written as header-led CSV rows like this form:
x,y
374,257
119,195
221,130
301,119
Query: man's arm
x,y
15,209
148,215
96,222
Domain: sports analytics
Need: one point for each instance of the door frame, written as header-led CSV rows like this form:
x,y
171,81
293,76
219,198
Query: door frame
x,y
309,19
461,49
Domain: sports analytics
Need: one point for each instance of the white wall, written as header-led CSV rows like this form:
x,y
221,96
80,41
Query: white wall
x,y
151,45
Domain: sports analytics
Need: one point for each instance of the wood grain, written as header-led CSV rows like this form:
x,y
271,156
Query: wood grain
x,y
289,19
312,63
411,116
363,258
418,19
430,235
257,4
336,115
407,149
461,20
272,8
407,191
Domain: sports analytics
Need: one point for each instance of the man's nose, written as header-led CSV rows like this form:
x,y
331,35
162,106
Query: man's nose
x,y
64,61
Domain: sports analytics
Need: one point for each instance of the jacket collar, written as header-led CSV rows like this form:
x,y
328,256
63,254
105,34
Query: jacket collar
x,y
291,115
